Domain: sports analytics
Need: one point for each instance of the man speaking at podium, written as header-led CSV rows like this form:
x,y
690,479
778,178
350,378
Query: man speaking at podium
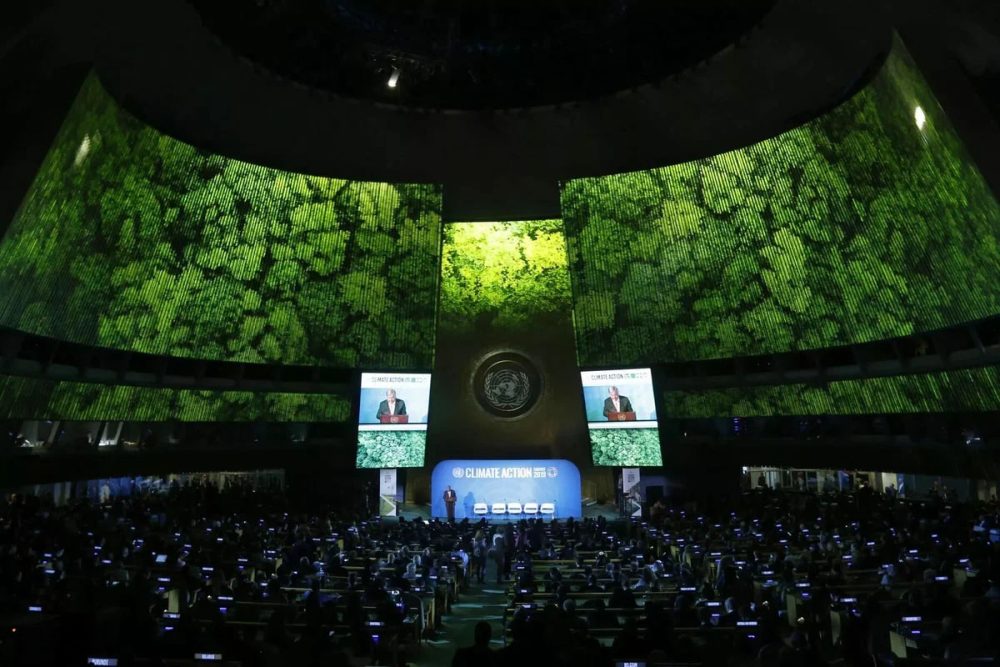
x,y
393,406
614,403
450,497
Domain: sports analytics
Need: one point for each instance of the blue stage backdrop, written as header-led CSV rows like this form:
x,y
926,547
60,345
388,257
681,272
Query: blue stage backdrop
x,y
553,485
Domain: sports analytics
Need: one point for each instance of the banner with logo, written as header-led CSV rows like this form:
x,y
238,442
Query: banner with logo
x,y
631,492
387,492
507,489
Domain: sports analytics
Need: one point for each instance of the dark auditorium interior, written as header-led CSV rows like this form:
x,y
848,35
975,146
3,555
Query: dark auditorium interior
x,y
499,333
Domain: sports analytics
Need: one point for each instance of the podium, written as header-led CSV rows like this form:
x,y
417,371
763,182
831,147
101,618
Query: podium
x,y
621,416
395,419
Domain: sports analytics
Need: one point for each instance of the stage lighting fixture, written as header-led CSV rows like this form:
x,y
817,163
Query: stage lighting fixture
x,y
393,78
920,117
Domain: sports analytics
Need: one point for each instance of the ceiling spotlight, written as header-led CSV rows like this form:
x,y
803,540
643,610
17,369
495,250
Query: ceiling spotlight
x,y
83,151
919,117
393,78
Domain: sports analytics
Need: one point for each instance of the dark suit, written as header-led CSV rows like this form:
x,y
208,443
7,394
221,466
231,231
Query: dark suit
x,y
609,406
450,498
474,656
383,409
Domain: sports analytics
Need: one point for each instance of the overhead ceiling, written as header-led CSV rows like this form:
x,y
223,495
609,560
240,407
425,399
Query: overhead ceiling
x,y
478,53
163,64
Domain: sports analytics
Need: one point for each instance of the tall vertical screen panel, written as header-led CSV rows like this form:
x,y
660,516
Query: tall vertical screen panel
x,y
392,419
505,297
131,239
621,417
867,223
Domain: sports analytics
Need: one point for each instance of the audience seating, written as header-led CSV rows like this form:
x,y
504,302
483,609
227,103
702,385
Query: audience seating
x,y
772,577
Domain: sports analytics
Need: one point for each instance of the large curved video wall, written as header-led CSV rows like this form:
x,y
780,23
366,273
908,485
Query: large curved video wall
x,y
33,398
867,223
967,390
133,240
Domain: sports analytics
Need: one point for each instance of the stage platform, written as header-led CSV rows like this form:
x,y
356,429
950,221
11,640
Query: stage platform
x,y
591,510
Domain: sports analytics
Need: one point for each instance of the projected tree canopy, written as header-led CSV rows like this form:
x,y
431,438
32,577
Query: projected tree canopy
x,y
869,222
503,275
130,239
971,390
626,447
31,398
391,449
505,368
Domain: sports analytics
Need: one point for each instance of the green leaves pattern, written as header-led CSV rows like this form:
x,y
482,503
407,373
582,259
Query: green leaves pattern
x,y
391,449
133,240
503,275
968,390
854,227
32,398
626,447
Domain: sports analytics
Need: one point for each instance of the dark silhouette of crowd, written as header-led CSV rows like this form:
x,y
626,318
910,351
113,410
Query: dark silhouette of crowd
x,y
262,576
247,573
768,578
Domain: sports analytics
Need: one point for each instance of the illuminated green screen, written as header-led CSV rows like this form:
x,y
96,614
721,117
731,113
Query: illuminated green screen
x,y
506,276
505,294
968,390
32,398
383,440
626,447
625,433
133,240
391,449
867,223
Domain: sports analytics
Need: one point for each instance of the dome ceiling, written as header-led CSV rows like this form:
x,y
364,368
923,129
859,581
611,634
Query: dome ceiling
x,y
478,53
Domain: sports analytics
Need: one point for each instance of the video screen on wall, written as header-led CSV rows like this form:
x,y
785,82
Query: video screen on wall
x,y
621,417
392,419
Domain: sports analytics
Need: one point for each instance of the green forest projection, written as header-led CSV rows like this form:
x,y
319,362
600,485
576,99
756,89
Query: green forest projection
x,y
867,223
501,279
626,447
969,390
505,289
503,276
133,240
391,449
33,398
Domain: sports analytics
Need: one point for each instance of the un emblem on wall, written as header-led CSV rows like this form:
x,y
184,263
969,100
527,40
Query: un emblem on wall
x,y
507,384
507,388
